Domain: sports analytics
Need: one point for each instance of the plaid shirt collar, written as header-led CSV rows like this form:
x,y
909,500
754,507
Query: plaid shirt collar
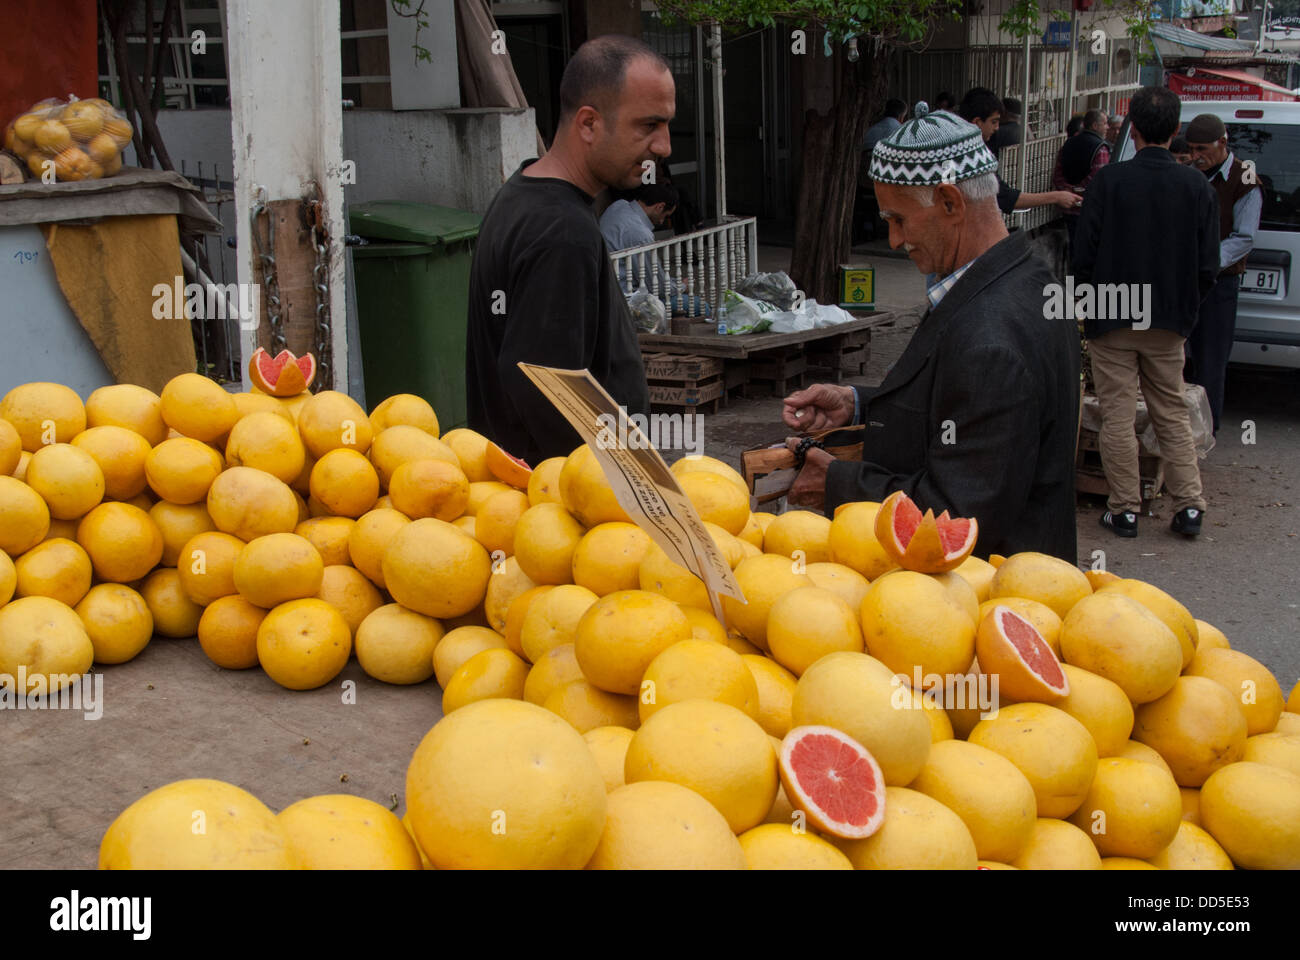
x,y
939,289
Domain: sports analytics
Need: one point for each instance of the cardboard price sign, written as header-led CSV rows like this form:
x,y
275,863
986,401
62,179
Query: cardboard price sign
x,y
642,482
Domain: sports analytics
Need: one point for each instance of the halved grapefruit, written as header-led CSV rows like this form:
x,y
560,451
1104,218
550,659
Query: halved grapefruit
x,y
923,543
506,468
1010,646
283,375
833,780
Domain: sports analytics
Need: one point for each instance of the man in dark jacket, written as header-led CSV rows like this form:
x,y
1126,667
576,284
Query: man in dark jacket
x,y
1149,230
1078,161
542,288
979,415
1241,201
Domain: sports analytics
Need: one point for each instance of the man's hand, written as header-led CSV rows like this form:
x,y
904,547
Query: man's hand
x,y
819,407
809,488
1066,199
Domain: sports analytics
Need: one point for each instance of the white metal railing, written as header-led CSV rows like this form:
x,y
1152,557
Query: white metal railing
x,y
1039,162
703,264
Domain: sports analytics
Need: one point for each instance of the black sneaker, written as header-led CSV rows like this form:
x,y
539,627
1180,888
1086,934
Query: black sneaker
x,y
1121,524
1187,521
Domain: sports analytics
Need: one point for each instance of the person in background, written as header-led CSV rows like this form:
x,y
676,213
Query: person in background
x,y
1074,126
1078,161
1113,127
1181,151
542,288
865,210
982,107
632,223
1240,205
1009,131
1151,224
895,113
987,379
945,101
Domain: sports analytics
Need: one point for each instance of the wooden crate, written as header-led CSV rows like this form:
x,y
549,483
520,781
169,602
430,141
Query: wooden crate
x,y
705,393
670,366
847,353
685,381
775,370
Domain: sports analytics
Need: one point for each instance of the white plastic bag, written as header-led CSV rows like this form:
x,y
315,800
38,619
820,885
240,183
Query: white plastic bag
x,y
649,315
747,316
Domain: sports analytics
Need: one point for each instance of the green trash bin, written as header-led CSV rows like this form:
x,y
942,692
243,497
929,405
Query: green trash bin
x,y
412,285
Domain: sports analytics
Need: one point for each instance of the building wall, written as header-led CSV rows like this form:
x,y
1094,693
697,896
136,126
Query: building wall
x,y
455,158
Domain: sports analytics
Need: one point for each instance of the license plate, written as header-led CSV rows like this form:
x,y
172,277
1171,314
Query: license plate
x,y
1260,280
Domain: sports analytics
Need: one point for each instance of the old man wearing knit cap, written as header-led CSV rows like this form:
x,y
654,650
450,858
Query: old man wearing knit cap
x,y
1240,203
979,415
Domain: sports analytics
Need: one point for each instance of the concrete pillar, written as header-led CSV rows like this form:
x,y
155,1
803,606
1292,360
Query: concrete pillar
x,y
287,128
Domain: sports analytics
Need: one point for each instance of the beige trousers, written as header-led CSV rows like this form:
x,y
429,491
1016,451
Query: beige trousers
x,y
1120,359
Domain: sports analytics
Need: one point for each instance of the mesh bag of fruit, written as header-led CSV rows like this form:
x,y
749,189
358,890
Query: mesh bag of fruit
x,y
69,140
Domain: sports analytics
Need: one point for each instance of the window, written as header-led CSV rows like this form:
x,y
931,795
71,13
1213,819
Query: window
x,y
1275,149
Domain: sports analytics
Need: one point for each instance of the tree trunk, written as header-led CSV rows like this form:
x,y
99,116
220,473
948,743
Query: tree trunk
x,y
828,181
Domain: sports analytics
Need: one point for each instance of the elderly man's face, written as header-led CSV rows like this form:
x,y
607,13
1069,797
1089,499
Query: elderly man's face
x,y
927,232
1209,156
636,130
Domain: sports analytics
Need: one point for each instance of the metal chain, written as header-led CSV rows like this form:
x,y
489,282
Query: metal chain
x,y
314,209
269,281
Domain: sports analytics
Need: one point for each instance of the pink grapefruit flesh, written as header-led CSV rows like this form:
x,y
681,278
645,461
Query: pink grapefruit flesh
x,y
1033,649
834,780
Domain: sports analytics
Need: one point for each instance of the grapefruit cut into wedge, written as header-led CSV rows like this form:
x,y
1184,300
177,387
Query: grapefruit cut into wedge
x,y
282,375
923,542
834,780
1011,647
506,468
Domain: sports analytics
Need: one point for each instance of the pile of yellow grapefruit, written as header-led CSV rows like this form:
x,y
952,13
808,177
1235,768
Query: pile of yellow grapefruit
x,y
595,712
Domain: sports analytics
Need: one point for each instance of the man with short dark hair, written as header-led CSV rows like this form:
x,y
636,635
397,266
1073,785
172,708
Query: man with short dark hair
x,y
895,112
1147,225
1181,151
1240,205
1010,131
982,107
632,223
542,288
1079,159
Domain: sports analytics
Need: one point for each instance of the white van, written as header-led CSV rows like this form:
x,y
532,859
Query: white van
x,y
1268,308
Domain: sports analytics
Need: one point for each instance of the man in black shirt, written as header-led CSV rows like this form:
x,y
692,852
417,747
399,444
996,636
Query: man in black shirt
x,y
542,288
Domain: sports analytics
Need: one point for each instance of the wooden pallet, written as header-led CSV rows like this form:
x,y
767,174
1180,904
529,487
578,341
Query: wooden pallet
x,y
773,371
846,353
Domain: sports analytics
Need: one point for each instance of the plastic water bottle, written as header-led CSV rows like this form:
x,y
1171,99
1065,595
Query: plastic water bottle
x,y
722,320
